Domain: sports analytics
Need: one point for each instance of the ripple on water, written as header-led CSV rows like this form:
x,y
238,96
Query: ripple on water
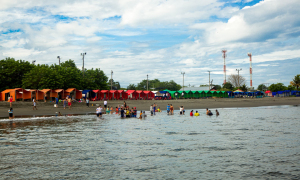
x,y
244,143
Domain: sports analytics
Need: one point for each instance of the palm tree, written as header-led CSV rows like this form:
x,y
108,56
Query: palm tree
x,y
296,81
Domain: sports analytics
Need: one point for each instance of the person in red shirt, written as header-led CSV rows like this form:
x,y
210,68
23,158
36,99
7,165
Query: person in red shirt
x,y
191,113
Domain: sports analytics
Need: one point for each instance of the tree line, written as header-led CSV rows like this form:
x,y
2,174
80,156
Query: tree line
x,y
23,74
155,85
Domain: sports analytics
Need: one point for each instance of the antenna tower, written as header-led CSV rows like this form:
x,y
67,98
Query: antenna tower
x,y
250,55
224,56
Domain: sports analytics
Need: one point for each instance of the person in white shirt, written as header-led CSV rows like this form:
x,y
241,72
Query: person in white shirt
x,y
34,104
99,111
105,104
151,110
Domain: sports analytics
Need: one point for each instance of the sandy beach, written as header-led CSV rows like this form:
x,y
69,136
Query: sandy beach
x,y
25,108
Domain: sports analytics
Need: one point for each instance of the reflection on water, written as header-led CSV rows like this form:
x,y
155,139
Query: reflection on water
x,y
244,143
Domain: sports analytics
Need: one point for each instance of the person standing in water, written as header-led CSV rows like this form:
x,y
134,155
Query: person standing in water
x,y
154,108
168,109
69,103
34,104
191,113
217,113
10,113
10,101
172,109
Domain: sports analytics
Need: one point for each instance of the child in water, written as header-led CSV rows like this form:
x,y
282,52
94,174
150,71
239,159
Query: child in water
x,y
158,110
10,113
107,110
196,114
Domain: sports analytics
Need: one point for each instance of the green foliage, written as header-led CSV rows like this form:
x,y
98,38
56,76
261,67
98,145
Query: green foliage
x,y
228,85
217,87
262,87
131,87
244,88
20,73
291,88
170,85
116,85
12,73
277,87
296,81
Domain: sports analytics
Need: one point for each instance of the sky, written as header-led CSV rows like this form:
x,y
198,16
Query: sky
x,y
161,38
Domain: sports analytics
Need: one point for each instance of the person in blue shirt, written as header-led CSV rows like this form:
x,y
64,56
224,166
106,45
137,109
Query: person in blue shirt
x,y
56,101
168,109
10,113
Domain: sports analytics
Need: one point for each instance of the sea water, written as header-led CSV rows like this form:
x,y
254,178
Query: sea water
x,y
241,143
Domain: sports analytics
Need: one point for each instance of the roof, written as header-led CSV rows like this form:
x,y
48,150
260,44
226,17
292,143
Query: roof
x,y
70,89
95,91
104,91
130,91
139,91
204,88
46,90
58,90
85,91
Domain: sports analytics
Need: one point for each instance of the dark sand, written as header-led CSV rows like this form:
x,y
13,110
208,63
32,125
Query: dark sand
x,y
25,108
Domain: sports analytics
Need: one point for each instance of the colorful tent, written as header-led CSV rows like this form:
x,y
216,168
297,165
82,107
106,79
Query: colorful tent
x,y
141,94
149,94
74,93
17,93
131,94
104,95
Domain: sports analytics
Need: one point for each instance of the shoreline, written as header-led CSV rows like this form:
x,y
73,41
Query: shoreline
x,y
44,109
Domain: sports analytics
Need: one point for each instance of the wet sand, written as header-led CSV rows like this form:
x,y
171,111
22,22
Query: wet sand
x,y
25,108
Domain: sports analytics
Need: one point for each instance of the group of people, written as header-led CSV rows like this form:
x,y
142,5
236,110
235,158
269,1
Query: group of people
x,y
153,109
208,112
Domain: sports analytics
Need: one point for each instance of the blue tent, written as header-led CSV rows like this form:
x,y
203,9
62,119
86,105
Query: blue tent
x,y
230,94
89,93
274,93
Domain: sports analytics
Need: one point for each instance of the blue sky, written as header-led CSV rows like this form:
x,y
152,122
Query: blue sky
x,y
158,37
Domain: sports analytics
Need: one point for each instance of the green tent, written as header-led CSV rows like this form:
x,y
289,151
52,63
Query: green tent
x,y
224,94
173,94
180,94
201,94
207,94
196,94
188,94
166,90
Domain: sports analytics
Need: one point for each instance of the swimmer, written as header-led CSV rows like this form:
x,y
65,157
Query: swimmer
x,y
158,109
172,109
141,113
196,114
10,113
191,113
210,113
207,111
217,113
168,109
181,110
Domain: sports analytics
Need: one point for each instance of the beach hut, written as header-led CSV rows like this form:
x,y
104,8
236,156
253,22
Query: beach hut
x,y
141,94
36,94
195,94
274,94
230,94
17,93
268,93
295,93
88,94
149,95
97,95
131,94
286,93
104,95
74,93
60,93
122,95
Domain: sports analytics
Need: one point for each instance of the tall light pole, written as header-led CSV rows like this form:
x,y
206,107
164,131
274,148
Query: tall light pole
x,y
250,55
238,70
83,54
183,80
33,62
147,82
224,56
58,57
111,79
209,79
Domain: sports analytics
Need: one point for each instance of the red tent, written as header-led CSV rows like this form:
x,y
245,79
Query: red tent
x,y
97,97
113,94
149,94
141,94
122,94
104,94
131,94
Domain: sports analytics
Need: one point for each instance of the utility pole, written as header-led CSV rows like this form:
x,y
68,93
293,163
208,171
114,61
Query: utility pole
x,y
250,55
111,79
224,56
147,82
209,79
183,80
83,54
58,57
238,70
